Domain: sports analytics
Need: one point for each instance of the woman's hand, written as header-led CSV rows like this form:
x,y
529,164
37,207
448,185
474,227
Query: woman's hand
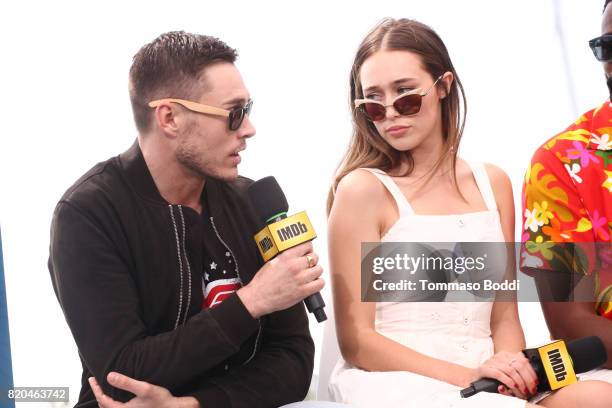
x,y
146,395
513,370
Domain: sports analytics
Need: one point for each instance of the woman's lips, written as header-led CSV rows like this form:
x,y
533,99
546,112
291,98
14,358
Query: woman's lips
x,y
397,131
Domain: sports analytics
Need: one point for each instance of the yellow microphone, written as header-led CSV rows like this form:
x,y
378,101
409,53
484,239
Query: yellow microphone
x,y
282,232
555,364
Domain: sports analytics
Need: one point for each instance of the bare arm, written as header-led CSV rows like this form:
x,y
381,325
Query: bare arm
x,y
506,329
573,320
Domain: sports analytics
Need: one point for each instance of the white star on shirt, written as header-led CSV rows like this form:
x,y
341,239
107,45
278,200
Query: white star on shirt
x,y
224,272
227,253
213,266
206,276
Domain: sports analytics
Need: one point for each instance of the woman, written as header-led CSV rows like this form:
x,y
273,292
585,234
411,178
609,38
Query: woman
x,y
402,179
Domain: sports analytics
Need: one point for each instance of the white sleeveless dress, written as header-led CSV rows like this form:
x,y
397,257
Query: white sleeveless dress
x,y
457,332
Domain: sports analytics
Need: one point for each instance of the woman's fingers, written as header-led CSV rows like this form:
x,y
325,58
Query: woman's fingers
x,y
528,374
519,387
493,371
505,391
517,367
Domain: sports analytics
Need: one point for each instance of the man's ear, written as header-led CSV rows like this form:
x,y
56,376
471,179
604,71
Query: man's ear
x,y
167,118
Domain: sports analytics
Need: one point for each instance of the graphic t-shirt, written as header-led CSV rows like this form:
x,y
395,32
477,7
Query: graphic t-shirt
x,y
219,273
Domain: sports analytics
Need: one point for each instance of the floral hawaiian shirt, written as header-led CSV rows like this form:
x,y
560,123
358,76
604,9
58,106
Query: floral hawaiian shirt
x,y
567,197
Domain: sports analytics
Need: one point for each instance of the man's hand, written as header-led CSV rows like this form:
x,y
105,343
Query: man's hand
x,y
146,395
282,282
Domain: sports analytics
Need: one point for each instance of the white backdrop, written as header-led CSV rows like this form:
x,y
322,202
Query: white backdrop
x,y
65,107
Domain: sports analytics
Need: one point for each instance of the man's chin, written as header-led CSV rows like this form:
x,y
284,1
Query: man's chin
x,y
230,174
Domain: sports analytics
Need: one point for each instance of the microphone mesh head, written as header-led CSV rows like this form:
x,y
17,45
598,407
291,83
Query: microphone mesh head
x,y
587,353
268,198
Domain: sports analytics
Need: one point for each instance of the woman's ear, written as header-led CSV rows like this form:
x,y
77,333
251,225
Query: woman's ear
x,y
447,81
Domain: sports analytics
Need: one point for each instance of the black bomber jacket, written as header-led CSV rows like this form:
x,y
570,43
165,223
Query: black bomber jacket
x,y
126,269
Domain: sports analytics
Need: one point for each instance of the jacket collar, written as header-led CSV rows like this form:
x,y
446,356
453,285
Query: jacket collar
x,y
138,175
140,179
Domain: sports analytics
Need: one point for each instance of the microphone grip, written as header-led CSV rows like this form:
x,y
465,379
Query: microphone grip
x,y
484,384
315,304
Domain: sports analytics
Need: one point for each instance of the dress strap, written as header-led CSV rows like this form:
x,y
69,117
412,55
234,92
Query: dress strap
x,y
484,184
403,205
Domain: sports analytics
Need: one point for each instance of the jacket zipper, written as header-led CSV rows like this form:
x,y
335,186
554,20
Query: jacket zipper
x,y
212,222
180,262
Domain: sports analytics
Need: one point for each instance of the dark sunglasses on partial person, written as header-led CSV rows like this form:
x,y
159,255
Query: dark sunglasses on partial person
x,y
405,104
234,116
602,47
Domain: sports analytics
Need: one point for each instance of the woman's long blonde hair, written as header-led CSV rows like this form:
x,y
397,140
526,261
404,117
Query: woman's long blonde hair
x,y
367,148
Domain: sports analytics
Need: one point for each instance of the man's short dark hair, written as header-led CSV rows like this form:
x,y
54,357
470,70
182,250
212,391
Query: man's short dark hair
x,y
169,67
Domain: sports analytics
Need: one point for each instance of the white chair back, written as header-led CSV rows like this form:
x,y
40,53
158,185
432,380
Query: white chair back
x,y
330,353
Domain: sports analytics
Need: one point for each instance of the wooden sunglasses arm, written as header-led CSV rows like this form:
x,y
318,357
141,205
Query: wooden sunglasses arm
x,y
192,106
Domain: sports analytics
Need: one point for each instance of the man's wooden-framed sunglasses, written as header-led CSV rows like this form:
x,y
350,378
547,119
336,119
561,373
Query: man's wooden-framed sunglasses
x,y
235,116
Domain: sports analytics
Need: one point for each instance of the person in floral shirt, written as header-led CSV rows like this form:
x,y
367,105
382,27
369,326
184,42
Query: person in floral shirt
x,y
567,214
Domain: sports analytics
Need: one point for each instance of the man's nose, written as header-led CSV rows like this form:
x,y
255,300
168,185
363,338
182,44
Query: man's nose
x,y
246,129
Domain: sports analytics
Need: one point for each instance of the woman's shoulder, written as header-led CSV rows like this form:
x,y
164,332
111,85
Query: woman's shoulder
x,y
360,189
498,178
497,175
500,183
359,183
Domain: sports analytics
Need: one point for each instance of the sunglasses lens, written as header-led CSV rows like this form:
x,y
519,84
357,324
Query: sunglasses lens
x,y
248,107
235,118
606,49
236,115
409,104
602,48
374,111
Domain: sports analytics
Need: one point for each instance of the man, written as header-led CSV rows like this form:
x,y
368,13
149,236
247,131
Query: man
x,y
567,206
152,257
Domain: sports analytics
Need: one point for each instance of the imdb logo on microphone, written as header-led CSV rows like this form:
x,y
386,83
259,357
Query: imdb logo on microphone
x,y
557,365
292,231
284,234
